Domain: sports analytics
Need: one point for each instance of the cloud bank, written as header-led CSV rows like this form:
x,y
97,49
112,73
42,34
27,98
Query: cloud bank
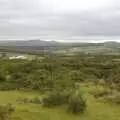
x,y
60,19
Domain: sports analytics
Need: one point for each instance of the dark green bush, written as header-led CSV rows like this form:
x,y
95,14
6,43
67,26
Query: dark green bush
x,y
77,104
10,108
36,100
55,98
5,112
23,100
101,93
113,98
2,78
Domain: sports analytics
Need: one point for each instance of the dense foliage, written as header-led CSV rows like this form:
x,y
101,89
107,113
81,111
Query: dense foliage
x,y
58,72
60,76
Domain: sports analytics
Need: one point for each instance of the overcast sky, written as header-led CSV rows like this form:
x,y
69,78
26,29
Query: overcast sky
x,y
60,19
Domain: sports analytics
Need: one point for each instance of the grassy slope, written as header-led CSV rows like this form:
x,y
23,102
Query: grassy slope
x,y
95,111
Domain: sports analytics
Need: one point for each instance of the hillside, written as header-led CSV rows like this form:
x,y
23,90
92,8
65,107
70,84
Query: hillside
x,y
28,43
58,47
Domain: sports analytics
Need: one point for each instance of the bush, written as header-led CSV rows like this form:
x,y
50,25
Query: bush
x,y
113,98
55,98
76,104
10,108
2,78
36,100
7,86
102,93
23,100
116,99
5,112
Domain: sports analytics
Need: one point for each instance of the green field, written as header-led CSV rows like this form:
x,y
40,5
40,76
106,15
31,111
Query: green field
x,y
96,110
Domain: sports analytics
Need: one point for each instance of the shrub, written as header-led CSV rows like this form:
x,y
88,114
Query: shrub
x,y
23,100
10,108
113,98
7,86
55,98
116,99
2,78
36,100
102,93
5,112
76,104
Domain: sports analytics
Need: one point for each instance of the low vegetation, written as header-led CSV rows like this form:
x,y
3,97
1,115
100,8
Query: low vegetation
x,y
72,84
6,111
76,103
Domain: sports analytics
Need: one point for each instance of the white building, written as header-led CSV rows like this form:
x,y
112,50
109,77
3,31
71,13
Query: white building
x,y
17,57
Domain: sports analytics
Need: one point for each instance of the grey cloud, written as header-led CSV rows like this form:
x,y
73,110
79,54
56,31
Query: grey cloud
x,y
33,18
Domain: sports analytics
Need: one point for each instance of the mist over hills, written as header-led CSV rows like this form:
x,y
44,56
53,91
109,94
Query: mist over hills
x,y
28,43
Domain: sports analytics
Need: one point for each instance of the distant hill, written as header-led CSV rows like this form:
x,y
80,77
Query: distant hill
x,y
37,46
112,44
28,43
54,43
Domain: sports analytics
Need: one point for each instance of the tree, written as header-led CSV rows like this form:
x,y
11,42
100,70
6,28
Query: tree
x,y
77,104
3,55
